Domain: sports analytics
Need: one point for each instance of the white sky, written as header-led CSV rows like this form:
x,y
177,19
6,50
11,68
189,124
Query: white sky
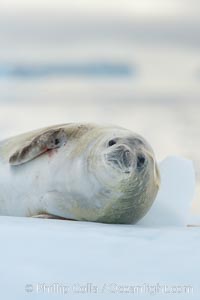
x,y
141,8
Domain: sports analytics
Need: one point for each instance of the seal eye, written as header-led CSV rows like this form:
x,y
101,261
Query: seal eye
x,y
111,143
57,141
140,161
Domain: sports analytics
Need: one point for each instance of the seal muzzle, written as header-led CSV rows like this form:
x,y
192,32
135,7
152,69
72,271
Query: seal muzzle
x,y
120,157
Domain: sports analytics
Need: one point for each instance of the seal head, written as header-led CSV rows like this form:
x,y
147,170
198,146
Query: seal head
x,y
124,164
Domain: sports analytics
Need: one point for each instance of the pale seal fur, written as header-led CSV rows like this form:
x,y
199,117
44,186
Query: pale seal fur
x,y
78,171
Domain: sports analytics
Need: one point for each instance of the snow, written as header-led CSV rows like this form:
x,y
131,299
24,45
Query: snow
x,y
52,259
173,203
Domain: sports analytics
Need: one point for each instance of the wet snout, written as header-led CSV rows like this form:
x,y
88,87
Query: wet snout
x,y
125,159
121,157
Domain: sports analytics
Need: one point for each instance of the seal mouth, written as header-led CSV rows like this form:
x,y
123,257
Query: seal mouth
x,y
121,158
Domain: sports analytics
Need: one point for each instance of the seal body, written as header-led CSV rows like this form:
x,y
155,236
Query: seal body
x,y
78,171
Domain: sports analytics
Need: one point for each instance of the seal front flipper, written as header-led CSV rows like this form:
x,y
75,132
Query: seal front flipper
x,y
51,139
49,216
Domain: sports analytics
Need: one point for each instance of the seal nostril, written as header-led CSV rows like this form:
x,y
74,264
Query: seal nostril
x,y
140,161
111,143
127,158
